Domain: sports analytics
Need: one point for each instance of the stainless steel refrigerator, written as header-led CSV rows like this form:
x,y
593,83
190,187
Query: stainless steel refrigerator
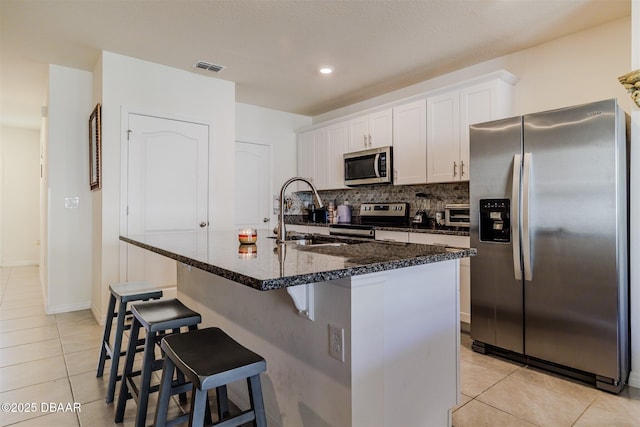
x,y
548,196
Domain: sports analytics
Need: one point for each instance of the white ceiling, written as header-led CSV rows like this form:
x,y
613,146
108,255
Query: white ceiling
x,y
272,49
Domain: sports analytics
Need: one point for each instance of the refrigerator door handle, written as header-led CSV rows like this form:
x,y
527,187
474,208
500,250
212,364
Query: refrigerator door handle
x,y
515,216
526,237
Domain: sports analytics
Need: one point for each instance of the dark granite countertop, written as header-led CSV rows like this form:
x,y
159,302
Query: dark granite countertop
x,y
266,266
449,231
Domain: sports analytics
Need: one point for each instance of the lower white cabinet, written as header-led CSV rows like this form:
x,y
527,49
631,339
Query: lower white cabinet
x,y
319,229
298,228
394,236
465,265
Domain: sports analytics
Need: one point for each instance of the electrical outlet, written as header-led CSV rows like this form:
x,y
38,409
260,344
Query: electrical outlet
x,y
336,342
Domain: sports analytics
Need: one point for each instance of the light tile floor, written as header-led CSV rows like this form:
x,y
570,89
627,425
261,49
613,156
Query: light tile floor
x,y
52,359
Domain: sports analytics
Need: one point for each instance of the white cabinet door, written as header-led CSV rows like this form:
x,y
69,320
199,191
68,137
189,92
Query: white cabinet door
x,y
359,133
306,154
319,229
410,143
465,265
338,143
371,131
443,137
396,236
381,129
448,120
320,159
477,105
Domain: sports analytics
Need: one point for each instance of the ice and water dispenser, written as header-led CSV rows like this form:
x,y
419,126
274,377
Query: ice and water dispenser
x,y
495,221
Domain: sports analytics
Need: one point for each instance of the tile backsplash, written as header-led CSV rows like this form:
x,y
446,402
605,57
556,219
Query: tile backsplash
x,y
438,195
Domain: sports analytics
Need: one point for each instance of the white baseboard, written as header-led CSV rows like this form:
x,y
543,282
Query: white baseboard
x,y
465,317
23,263
634,379
65,308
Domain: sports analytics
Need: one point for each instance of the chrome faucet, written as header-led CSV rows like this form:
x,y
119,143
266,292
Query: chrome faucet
x,y
282,234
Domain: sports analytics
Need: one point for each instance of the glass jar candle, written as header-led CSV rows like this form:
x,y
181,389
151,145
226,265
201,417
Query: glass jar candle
x,y
247,236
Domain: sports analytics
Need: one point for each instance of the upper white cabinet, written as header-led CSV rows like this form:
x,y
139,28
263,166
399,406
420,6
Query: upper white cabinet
x,y
449,115
337,144
320,154
430,136
410,143
371,131
306,156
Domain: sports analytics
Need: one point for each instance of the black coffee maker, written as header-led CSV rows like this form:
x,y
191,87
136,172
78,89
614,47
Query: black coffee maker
x,y
316,215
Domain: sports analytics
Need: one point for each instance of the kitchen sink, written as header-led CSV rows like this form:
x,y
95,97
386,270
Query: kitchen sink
x,y
314,243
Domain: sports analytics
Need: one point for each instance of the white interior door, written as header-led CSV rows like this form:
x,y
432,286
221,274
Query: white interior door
x,y
253,181
167,189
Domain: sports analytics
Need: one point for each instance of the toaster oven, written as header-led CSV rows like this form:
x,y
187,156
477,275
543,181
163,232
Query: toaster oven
x,y
456,215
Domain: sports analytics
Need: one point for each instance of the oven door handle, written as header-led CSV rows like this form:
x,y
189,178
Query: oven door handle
x,y
376,168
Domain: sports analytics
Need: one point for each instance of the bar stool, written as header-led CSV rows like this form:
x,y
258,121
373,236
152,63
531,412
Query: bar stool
x,y
158,318
121,294
209,358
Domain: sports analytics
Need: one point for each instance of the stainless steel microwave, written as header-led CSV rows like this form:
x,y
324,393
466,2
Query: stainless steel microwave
x,y
373,166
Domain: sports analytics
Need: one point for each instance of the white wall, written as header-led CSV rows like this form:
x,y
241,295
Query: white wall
x,y
579,68
275,128
19,193
634,378
68,250
141,86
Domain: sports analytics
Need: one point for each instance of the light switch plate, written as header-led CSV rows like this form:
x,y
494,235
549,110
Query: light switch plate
x,y
71,202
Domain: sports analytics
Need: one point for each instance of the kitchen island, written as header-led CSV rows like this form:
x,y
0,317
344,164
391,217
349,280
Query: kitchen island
x,y
382,348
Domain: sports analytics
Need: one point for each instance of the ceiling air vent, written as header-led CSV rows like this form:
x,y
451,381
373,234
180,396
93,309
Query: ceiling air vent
x,y
204,65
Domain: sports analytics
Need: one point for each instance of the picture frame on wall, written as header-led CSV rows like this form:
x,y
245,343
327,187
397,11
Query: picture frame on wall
x,y
95,148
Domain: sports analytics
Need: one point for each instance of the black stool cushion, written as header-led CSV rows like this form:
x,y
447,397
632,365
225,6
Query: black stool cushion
x,y
162,315
135,291
210,358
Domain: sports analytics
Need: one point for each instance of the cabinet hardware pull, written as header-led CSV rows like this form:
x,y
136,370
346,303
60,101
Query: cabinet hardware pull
x,y
455,169
461,168
364,140
369,140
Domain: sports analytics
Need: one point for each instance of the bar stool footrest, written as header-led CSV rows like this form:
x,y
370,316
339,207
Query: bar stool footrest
x,y
237,420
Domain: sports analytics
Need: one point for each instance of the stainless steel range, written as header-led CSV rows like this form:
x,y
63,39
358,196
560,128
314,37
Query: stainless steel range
x,y
372,215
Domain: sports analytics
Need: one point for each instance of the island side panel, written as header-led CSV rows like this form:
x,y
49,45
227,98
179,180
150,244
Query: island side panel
x,y
405,346
303,385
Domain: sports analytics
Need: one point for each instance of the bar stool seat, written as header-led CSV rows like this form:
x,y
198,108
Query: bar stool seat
x,y
121,295
209,358
158,318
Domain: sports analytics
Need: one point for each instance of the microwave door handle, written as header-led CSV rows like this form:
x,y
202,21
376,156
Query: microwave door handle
x,y
515,216
376,168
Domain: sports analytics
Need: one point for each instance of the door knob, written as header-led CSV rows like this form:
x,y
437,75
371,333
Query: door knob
x,y
265,219
203,224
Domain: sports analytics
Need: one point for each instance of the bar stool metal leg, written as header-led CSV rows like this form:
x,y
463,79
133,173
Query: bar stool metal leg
x,y
145,378
257,403
105,337
117,345
128,367
165,393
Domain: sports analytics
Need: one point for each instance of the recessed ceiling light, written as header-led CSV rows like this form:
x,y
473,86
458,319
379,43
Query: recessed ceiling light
x,y
326,70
